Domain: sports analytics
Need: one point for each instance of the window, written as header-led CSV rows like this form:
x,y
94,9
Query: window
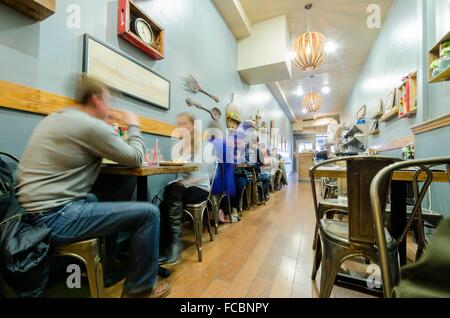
x,y
305,146
321,141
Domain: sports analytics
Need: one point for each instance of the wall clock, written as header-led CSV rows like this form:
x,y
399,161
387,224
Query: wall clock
x,y
140,30
143,30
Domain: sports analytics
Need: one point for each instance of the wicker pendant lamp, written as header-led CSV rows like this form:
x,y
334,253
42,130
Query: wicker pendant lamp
x,y
309,48
312,102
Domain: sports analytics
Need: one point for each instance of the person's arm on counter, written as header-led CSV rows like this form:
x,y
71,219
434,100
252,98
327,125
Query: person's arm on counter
x,y
105,143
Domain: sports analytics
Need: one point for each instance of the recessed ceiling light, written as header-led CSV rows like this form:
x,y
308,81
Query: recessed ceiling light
x,y
326,90
331,47
300,91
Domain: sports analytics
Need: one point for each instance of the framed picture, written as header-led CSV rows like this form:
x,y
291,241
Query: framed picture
x,y
125,74
390,101
374,127
362,112
380,106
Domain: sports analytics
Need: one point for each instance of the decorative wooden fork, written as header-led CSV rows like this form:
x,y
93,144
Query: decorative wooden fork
x,y
193,85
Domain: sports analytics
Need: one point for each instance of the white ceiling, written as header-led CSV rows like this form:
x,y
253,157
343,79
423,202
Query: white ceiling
x,y
341,21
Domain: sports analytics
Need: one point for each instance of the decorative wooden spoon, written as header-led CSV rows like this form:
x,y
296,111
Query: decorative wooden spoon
x,y
215,113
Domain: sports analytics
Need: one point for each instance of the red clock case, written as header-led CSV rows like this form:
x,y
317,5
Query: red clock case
x,y
127,12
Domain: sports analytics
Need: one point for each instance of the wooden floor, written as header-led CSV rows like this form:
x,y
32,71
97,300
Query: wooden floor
x,y
268,254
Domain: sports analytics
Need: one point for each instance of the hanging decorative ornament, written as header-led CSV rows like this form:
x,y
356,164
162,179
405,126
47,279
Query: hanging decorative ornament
x,y
312,102
309,48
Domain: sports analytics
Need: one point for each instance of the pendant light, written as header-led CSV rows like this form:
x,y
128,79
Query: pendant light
x,y
309,48
312,102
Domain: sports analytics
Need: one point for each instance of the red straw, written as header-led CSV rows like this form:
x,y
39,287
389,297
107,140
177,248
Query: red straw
x,y
154,155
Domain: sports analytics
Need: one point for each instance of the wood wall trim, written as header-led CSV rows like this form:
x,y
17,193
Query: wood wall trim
x,y
432,124
395,144
36,9
27,99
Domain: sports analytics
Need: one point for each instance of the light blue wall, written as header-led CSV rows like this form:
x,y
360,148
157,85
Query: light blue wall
x,y
393,56
47,55
411,28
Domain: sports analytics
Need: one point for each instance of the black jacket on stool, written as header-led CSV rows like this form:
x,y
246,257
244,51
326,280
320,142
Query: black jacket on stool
x,y
24,266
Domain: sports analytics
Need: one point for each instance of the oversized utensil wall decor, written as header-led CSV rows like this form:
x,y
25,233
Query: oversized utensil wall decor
x,y
215,113
193,85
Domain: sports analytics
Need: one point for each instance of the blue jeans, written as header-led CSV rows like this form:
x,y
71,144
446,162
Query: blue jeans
x,y
88,219
265,178
241,183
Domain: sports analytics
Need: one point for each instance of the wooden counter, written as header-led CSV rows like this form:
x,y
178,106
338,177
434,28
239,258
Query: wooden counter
x,y
305,161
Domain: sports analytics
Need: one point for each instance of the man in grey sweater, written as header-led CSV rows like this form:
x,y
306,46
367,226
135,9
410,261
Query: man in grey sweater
x,y
58,169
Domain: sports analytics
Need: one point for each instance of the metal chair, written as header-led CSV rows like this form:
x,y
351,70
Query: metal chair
x,y
215,200
244,198
390,267
340,241
89,253
197,213
86,251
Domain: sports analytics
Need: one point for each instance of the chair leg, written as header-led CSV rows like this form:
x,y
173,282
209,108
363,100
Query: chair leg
x,y
317,259
208,219
316,237
230,209
215,213
331,263
198,230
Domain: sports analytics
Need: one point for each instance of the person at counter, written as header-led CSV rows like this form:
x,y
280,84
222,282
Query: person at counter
x,y
59,166
189,188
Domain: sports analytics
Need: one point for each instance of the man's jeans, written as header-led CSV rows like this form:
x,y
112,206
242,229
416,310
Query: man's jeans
x,y
87,219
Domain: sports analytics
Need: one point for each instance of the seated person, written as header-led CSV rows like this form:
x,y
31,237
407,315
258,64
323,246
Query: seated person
x,y
278,165
266,169
256,158
189,188
59,166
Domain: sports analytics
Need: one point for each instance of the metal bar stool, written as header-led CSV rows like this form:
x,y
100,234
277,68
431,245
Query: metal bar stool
x,y
197,212
88,252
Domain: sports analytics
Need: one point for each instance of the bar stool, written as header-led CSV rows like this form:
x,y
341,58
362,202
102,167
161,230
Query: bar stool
x,y
244,197
89,253
197,212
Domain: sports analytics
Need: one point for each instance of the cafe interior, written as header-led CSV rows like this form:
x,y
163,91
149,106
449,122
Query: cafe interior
x,y
322,128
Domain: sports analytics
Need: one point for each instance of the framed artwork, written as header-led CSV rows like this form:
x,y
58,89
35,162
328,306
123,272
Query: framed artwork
x,y
125,74
380,106
362,112
374,127
390,101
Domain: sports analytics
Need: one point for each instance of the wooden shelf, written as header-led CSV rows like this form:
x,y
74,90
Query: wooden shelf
x,y
435,53
407,96
390,115
409,114
443,77
36,9
377,115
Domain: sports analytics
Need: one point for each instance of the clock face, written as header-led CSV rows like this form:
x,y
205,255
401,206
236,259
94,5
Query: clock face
x,y
144,31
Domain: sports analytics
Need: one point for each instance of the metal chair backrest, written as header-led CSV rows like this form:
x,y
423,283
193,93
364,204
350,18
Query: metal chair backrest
x,y
360,172
423,175
213,179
